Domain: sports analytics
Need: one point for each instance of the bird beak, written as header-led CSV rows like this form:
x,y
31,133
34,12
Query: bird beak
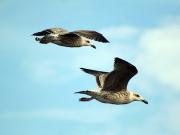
x,y
93,46
144,101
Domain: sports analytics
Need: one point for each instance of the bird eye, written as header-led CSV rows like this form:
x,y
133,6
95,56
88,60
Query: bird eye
x,y
136,95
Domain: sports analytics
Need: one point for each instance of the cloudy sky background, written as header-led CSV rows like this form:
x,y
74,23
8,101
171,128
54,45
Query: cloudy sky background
x,y
38,82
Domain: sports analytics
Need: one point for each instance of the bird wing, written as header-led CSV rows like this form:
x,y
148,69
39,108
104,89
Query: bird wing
x,y
91,35
118,79
100,75
51,31
70,39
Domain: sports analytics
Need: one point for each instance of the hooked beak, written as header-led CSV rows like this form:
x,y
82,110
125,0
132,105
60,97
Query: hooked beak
x,y
144,101
93,46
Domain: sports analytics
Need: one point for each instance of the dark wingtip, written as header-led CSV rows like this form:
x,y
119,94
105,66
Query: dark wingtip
x,y
84,69
116,59
79,92
130,66
104,40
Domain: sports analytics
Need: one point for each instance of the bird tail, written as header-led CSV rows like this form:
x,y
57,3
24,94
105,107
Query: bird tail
x,y
41,33
87,92
93,72
92,95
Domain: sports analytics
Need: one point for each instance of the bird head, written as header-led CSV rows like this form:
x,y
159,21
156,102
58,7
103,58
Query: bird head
x,y
136,97
88,43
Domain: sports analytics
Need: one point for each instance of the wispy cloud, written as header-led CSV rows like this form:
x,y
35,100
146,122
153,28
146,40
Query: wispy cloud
x,y
160,55
54,70
166,116
78,115
48,71
120,32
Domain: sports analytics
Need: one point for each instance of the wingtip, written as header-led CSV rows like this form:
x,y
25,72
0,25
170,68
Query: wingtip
x,y
104,40
83,69
119,60
116,59
107,41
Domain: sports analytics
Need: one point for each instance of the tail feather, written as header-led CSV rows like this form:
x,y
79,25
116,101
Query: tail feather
x,y
41,33
83,92
93,72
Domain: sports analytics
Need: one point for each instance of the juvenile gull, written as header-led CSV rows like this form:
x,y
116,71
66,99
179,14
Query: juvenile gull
x,y
112,86
62,37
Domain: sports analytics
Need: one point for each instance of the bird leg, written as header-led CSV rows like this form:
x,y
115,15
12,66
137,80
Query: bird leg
x,y
38,39
84,99
42,40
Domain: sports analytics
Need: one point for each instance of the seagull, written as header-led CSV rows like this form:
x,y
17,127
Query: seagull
x,y
62,37
112,86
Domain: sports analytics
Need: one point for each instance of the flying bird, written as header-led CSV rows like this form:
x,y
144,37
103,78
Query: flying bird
x,y
62,37
112,86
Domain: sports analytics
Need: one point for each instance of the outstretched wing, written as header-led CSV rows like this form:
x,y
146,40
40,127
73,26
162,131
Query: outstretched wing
x,y
118,79
91,35
51,31
100,76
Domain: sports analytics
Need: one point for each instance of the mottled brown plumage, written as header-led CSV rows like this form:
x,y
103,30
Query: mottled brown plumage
x,y
62,37
118,79
112,85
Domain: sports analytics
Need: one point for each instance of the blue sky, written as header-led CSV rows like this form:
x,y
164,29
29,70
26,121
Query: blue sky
x,y
38,82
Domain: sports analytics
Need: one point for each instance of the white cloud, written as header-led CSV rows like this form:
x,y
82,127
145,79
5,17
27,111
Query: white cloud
x,y
60,114
155,54
160,55
158,58
103,58
56,69
48,71
165,116
120,32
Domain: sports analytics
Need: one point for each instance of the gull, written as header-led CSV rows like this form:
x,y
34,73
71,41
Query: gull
x,y
62,37
112,86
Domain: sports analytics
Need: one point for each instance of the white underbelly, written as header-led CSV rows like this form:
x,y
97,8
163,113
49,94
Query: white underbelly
x,y
65,45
